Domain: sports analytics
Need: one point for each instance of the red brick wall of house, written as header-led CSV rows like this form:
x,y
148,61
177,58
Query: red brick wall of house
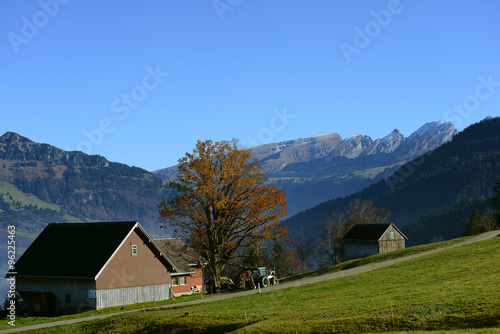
x,y
195,279
126,270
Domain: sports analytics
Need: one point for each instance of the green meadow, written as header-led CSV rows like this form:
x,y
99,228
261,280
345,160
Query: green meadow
x,y
455,290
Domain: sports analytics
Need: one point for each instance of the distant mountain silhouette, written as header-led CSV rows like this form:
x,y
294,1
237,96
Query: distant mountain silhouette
x,y
322,167
447,182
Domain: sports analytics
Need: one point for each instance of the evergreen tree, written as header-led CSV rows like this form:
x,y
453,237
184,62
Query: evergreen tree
x,y
279,260
474,223
21,307
255,256
495,201
482,223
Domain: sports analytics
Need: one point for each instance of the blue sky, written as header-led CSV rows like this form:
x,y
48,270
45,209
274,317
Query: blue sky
x,y
139,82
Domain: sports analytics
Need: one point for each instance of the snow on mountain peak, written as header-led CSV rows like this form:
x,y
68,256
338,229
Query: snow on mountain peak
x,y
432,127
390,136
354,137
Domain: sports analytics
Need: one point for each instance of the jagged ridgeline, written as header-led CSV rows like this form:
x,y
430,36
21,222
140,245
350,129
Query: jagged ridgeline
x,y
40,183
447,180
318,168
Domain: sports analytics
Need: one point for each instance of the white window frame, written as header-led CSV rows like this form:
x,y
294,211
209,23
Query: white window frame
x,y
175,281
183,280
133,249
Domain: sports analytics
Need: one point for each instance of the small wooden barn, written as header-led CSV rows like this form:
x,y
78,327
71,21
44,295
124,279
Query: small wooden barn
x,y
74,267
189,279
369,239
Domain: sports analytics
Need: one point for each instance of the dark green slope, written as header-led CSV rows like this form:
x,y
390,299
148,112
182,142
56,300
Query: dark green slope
x,y
444,224
463,169
53,185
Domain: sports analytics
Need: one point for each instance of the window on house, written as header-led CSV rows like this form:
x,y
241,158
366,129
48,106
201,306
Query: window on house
x,y
67,298
391,235
134,249
183,280
175,281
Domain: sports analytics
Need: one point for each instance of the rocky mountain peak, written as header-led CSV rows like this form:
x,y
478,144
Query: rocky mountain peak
x,y
18,148
276,156
428,137
280,154
10,138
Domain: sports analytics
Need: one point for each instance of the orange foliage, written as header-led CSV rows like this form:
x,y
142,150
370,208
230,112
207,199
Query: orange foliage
x,y
222,203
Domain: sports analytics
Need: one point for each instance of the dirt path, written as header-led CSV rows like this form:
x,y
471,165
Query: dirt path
x,y
344,273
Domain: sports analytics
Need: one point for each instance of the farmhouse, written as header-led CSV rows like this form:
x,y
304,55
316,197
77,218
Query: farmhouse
x,y
74,267
368,239
190,277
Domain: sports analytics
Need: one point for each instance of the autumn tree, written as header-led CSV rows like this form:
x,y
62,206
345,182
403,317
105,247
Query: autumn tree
x,y
222,205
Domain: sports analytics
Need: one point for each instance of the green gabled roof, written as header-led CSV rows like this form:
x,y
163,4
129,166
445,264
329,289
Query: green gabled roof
x,y
368,232
72,249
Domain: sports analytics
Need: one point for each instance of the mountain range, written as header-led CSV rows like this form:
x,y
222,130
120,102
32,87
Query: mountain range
x,y
322,167
430,196
431,181
40,183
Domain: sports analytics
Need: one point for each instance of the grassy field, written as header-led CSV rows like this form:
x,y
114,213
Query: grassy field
x,y
374,259
140,306
456,289
25,199
9,190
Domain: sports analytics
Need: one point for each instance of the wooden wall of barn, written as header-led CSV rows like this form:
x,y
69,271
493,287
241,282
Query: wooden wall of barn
x,y
126,269
57,295
132,295
391,240
359,250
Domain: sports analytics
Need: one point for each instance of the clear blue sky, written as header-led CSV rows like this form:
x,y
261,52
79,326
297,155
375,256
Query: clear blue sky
x,y
140,81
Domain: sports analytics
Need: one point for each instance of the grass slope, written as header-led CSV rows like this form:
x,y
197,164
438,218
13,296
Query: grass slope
x,y
456,289
10,190
374,259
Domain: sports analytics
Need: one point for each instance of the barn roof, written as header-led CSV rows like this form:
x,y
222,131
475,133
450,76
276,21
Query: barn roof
x,y
180,253
78,250
368,232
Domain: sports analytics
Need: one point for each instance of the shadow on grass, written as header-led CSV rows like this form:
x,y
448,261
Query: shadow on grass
x,y
195,328
398,323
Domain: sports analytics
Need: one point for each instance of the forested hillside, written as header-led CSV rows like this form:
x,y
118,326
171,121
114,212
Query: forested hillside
x,y
464,169
444,224
40,183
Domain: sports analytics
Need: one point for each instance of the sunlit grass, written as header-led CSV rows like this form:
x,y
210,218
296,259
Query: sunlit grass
x,y
20,321
374,259
25,199
455,289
